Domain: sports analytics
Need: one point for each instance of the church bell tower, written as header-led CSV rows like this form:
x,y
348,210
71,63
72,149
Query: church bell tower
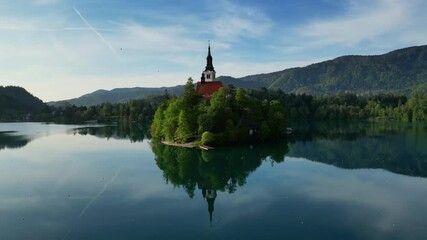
x,y
209,74
208,85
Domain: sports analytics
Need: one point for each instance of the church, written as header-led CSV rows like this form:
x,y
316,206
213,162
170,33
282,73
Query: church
x,y
208,85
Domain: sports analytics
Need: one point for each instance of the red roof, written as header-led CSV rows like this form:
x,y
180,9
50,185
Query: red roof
x,y
208,88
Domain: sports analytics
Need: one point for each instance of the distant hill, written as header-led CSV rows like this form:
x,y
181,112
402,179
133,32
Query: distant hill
x,y
118,95
401,71
16,101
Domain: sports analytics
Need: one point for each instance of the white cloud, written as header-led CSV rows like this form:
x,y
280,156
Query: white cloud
x,y
364,21
45,2
367,22
136,36
236,21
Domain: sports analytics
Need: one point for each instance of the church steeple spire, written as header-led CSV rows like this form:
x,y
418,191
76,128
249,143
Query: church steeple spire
x,y
209,64
209,73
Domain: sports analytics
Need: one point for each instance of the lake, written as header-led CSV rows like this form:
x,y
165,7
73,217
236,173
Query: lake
x,y
326,181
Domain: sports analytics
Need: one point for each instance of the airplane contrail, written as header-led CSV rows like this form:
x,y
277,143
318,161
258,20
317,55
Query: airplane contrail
x,y
100,192
95,31
34,29
93,199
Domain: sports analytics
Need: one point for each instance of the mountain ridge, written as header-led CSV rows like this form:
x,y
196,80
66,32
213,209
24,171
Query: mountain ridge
x,y
401,71
116,95
361,74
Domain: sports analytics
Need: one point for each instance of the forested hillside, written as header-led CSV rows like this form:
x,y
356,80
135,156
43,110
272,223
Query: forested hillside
x,y
15,102
402,71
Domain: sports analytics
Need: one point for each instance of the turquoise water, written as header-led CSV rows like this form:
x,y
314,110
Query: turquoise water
x,y
327,181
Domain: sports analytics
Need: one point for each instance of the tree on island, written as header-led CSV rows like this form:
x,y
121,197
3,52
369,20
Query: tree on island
x,y
229,116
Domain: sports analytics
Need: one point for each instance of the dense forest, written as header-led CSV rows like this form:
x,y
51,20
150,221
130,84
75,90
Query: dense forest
x,y
349,106
400,72
296,106
230,116
141,111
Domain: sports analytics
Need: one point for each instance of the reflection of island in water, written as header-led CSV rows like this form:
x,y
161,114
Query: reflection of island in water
x,y
223,169
11,141
122,130
396,147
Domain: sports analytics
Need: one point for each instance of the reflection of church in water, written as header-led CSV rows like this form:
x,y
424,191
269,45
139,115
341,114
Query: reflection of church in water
x,y
206,87
209,195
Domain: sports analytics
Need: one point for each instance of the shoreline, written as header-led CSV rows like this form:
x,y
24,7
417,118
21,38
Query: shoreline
x,y
188,145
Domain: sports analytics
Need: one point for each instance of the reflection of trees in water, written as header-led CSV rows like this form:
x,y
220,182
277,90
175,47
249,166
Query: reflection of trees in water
x,y
223,169
12,141
395,147
123,130
340,130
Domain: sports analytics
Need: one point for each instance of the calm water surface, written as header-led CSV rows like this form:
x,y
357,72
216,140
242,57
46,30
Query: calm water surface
x,y
328,181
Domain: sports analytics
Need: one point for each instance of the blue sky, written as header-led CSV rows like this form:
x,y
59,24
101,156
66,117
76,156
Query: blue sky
x,y
60,49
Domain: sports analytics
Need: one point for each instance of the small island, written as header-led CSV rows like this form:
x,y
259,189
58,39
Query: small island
x,y
216,115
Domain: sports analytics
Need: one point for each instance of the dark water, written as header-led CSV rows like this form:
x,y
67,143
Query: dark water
x,y
327,181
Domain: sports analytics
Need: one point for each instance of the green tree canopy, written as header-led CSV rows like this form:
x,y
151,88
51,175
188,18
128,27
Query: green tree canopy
x,y
229,116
